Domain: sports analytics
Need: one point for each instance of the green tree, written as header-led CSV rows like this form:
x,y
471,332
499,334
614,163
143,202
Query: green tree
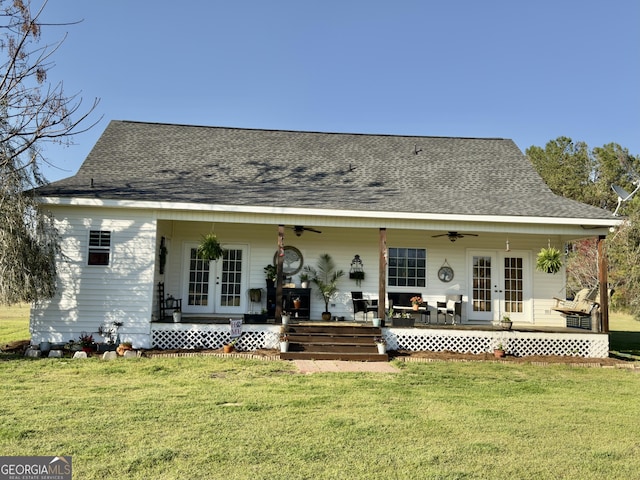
x,y
573,171
567,167
32,111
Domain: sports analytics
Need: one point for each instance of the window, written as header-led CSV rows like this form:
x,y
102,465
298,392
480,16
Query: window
x,y
99,247
407,267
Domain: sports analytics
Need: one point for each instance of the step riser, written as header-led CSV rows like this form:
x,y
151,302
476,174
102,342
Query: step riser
x,y
301,347
334,356
331,339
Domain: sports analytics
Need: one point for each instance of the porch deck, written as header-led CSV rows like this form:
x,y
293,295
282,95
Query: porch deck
x,y
521,340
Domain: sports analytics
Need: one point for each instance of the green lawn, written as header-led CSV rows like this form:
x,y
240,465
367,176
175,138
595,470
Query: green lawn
x,y
14,323
208,417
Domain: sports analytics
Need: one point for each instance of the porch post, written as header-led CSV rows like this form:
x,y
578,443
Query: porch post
x,y
382,273
603,279
279,262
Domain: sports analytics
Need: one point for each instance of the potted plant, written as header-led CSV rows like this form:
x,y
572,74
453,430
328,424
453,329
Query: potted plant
x,y
416,302
381,343
284,341
210,248
124,347
304,280
358,276
505,322
403,319
86,342
549,260
177,315
325,276
499,352
231,346
286,316
270,274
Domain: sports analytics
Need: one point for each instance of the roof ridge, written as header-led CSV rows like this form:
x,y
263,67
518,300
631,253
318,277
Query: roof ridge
x,y
275,130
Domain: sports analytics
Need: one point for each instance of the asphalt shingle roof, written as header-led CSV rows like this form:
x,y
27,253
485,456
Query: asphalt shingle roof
x,y
216,165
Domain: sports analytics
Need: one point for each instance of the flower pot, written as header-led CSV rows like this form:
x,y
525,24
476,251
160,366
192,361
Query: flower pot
x,y
304,284
498,353
382,348
228,348
376,322
177,317
506,325
123,348
255,295
326,316
285,319
284,346
297,304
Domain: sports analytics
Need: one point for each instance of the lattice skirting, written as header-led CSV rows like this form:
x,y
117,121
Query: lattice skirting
x,y
514,342
254,337
190,337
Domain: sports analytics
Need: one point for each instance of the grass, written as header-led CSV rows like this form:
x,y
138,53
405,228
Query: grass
x,y
207,417
14,323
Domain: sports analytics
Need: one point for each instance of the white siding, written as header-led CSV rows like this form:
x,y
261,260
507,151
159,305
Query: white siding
x,y
90,296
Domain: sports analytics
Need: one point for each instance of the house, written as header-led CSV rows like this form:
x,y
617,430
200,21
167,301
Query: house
x,y
440,216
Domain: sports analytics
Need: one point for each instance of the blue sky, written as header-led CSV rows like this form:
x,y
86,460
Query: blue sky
x,y
529,71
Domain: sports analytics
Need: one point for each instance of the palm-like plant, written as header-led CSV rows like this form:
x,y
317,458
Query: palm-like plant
x,y
325,276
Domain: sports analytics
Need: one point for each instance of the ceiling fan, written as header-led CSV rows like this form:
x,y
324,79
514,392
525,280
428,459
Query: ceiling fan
x,y
453,236
299,230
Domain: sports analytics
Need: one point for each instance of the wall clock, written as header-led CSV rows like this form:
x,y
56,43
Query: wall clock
x,y
445,274
292,261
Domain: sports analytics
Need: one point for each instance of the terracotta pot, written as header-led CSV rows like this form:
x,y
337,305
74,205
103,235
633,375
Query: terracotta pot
x,y
228,348
122,348
297,303
498,353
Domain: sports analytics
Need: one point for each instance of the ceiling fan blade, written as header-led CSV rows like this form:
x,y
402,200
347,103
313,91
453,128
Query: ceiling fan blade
x,y
441,235
309,229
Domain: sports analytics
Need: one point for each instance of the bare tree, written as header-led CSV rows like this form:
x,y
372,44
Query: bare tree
x,y
32,111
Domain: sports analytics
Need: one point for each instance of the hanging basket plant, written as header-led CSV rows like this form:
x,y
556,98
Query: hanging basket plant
x,y
358,276
549,260
210,248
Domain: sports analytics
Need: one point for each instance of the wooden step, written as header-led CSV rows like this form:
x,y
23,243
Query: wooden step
x,y
345,356
333,342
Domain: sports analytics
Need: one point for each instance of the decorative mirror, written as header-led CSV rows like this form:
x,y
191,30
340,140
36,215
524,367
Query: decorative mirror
x,y
445,273
292,261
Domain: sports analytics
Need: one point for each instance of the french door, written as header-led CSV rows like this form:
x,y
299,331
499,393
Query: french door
x,y
217,286
500,284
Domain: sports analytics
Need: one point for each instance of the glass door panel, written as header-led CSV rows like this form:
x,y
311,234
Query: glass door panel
x,y
230,281
198,288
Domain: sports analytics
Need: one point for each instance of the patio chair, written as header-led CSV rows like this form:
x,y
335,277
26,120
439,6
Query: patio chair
x,y
361,304
451,307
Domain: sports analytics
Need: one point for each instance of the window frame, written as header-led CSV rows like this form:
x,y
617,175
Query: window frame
x,y
100,249
407,280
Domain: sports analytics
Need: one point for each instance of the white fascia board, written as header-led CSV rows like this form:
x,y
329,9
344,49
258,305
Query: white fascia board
x,y
296,211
